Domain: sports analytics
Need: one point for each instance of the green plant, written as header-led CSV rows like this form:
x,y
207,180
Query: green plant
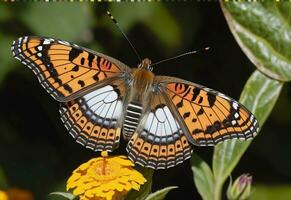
x,y
262,31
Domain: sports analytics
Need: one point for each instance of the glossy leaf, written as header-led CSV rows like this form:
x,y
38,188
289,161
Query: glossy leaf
x,y
259,96
144,189
203,177
60,20
263,31
160,194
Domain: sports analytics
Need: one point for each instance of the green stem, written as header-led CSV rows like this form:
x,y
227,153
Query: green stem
x,y
217,190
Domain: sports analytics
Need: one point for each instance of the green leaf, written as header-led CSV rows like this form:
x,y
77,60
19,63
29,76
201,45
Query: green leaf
x,y
160,194
263,31
155,16
144,189
203,177
259,96
67,195
59,20
266,192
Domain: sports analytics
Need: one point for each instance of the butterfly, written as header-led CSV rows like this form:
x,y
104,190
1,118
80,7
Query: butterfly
x,y
101,98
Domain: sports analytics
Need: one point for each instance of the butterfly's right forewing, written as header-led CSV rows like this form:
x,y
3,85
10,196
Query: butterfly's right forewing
x,y
64,69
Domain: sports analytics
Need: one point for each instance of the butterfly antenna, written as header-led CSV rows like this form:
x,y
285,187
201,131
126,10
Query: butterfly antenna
x,y
117,24
181,55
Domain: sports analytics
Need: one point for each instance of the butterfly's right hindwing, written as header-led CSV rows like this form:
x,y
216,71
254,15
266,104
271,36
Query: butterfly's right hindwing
x,y
94,120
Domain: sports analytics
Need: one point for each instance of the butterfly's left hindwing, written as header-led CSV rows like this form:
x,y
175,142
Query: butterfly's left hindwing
x,y
210,117
94,120
62,68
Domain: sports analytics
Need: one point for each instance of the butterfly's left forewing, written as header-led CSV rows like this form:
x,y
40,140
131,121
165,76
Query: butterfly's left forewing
x,y
209,116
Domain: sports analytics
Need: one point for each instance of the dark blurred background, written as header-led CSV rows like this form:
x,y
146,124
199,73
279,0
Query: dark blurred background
x,y
36,151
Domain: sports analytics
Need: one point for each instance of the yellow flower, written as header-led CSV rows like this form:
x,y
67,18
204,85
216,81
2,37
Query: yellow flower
x,y
105,178
3,195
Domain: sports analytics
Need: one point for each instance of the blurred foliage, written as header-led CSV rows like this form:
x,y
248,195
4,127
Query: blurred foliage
x,y
278,192
148,14
75,19
41,154
5,59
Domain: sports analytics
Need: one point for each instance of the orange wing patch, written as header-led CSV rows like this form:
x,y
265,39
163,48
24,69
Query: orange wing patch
x,y
62,68
211,117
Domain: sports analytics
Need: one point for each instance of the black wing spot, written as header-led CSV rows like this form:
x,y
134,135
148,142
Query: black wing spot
x,y
82,61
217,125
74,53
180,104
195,131
95,77
76,68
200,100
200,112
211,98
213,128
196,92
186,114
81,83
90,59
68,88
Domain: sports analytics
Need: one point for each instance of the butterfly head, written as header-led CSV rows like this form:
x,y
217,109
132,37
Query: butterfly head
x,y
146,64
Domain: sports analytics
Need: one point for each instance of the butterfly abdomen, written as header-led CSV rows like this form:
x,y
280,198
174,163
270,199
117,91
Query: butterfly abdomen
x,y
131,120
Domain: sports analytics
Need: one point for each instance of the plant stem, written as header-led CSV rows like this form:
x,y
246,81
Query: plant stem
x,y
217,190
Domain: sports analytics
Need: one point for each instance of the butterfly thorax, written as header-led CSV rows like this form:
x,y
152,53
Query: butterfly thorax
x,y
138,98
142,81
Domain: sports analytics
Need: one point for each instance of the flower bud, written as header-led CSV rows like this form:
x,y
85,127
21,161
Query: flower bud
x,y
241,188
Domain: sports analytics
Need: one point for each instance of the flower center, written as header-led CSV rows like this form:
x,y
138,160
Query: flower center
x,y
104,171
